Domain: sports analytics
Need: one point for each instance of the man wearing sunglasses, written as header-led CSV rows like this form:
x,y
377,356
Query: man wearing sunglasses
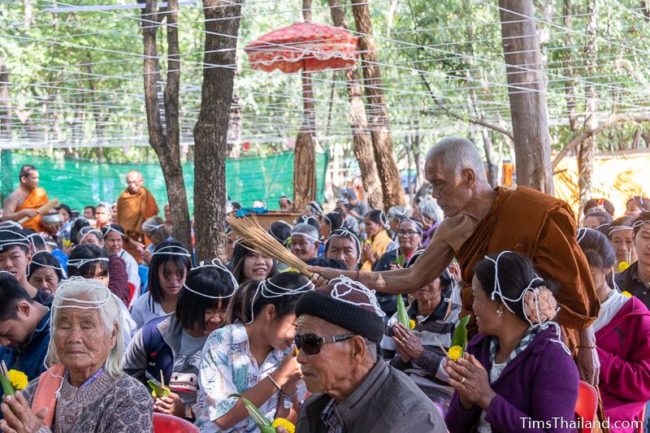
x,y
339,327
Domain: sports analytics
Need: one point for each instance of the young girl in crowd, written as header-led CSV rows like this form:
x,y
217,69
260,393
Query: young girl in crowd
x,y
622,338
172,344
253,356
248,264
377,234
516,375
170,264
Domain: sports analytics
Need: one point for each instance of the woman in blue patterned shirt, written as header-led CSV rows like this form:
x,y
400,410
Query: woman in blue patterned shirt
x,y
253,356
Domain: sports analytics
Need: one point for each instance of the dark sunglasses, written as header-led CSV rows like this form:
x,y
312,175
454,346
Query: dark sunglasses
x,y
311,343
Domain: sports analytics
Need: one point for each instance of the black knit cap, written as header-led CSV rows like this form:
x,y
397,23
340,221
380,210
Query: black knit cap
x,y
359,319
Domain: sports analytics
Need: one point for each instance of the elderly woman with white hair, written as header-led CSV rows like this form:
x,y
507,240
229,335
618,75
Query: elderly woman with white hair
x,y
431,215
85,389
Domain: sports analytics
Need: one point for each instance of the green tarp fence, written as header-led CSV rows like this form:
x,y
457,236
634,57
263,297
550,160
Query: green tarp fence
x,y
80,183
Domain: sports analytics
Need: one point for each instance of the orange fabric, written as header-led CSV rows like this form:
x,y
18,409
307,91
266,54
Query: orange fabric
x,y
543,228
132,211
49,382
35,199
379,245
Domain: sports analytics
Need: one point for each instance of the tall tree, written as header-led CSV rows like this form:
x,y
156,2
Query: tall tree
x,y
222,19
528,110
164,138
361,138
587,148
304,163
376,108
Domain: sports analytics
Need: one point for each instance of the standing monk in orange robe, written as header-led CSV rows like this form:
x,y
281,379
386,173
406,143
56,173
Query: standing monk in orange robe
x,y
134,206
481,221
25,201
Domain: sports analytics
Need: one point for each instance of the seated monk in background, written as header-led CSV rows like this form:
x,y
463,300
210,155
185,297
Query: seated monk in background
x,y
481,221
135,205
25,201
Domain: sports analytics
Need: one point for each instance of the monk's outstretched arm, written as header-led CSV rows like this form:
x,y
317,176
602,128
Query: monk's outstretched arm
x,y
435,259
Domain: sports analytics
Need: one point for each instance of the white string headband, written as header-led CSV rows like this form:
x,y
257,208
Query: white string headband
x,y
345,233
31,237
78,263
87,230
614,229
18,239
343,286
496,291
10,225
80,304
107,229
582,232
268,289
214,263
151,227
167,251
45,265
639,223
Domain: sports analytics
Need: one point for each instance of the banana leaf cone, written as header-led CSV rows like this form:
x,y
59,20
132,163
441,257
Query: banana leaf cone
x,y
262,421
7,388
402,315
459,340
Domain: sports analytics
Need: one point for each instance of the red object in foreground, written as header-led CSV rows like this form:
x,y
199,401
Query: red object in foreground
x,y
307,46
586,406
163,423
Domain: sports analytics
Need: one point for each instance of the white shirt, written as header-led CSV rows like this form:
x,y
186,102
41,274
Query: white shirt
x,y
145,309
132,272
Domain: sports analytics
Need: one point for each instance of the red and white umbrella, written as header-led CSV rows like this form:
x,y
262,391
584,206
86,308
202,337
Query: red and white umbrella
x,y
307,46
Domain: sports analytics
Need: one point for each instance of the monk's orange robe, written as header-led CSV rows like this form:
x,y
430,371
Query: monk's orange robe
x,y
132,211
35,199
543,228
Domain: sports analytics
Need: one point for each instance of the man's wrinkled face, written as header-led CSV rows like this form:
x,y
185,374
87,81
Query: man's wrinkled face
x,y
303,247
134,182
449,188
326,370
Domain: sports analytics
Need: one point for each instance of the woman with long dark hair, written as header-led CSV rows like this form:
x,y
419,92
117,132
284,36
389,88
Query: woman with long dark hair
x,y
170,264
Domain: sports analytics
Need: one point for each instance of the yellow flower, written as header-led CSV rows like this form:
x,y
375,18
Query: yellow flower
x,y
455,352
285,423
18,379
626,294
411,324
622,266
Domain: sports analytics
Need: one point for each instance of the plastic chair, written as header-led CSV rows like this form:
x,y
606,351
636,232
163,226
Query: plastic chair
x,y
163,423
587,405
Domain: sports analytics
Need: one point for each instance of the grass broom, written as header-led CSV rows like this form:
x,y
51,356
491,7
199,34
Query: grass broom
x,y
260,240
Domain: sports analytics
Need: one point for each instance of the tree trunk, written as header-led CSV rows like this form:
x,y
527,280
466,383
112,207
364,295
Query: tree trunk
x,y
164,139
587,147
361,138
525,91
304,161
376,108
6,181
222,19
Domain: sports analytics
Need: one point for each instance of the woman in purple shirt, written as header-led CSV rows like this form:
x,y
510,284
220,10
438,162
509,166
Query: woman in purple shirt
x,y
516,374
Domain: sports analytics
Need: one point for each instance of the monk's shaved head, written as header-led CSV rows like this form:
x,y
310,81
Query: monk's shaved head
x,y
456,154
134,181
